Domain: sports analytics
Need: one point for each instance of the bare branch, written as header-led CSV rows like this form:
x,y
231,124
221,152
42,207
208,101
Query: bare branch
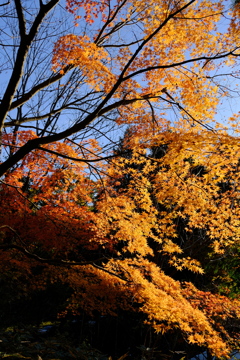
x,y
168,66
7,3
20,60
36,143
51,80
21,20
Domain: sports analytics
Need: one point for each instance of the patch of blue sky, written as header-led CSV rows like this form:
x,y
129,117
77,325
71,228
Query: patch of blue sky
x,y
38,68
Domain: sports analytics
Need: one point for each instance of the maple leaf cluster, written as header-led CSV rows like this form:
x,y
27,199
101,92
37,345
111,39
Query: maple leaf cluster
x,y
117,241
133,224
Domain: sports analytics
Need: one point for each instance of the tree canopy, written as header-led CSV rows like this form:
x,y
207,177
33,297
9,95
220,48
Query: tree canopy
x,y
119,178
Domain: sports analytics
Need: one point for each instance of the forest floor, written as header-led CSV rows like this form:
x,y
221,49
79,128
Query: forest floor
x,y
37,344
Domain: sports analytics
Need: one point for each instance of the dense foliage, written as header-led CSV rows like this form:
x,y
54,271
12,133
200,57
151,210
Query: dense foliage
x,y
139,234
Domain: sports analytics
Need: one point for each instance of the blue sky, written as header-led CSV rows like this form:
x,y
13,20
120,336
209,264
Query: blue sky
x,y
62,22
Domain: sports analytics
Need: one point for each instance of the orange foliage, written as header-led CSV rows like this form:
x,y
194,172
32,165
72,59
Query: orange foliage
x,y
46,208
110,240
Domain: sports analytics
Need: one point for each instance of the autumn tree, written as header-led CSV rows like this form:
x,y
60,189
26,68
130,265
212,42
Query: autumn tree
x,y
176,216
107,253
73,79
81,82
221,267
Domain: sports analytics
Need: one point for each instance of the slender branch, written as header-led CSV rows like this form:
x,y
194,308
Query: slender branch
x,y
59,262
99,111
14,231
7,3
199,18
167,66
21,194
187,112
21,19
149,38
109,272
41,117
27,96
121,78
98,40
37,142
121,45
152,111
20,60
76,159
